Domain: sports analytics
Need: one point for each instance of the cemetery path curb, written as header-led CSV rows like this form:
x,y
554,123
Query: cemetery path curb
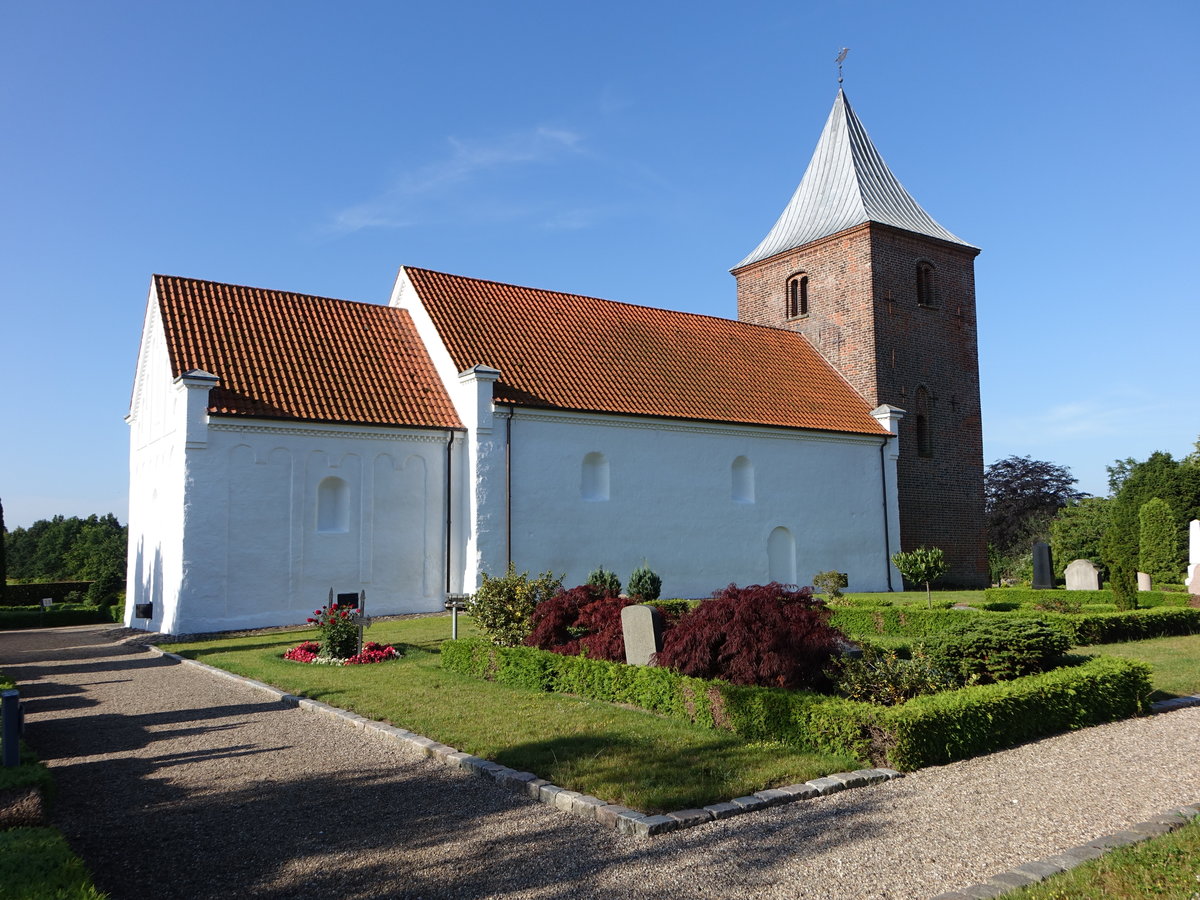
x,y
165,768
609,815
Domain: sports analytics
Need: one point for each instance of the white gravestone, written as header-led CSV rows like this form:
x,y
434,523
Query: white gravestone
x,y
1193,580
1145,582
642,627
1083,575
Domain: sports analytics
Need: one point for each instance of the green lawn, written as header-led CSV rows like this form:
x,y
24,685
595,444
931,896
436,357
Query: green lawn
x,y
1166,867
1176,662
625,756
37,864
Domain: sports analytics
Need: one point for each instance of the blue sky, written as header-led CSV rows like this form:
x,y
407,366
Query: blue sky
x,y
633,151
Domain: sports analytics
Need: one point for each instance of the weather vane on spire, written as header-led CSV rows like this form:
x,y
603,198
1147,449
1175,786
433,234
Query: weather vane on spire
x,y
840,59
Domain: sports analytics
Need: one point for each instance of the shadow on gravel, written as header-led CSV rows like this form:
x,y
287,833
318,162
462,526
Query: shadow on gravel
x,y
395,834
296,806
64,737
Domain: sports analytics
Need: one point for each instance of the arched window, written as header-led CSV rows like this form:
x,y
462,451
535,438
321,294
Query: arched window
x,y
593,482
781,556
924,436
926,283
742,471
797,296
333,506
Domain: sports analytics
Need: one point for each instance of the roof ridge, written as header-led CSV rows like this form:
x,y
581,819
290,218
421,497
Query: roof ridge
x,y
661,309
266,290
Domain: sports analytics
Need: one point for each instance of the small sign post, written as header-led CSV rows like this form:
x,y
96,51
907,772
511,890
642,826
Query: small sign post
x,y
455,602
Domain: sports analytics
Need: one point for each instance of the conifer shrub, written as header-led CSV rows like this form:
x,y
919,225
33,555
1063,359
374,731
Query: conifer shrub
x,y
584,620
644,584
605,580
994,649
757,635
1159,548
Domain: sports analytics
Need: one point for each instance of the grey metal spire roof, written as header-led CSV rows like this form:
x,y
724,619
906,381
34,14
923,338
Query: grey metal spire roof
x,y
846,183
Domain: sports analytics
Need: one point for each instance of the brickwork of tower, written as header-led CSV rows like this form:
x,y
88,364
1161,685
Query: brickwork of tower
x,y
896,343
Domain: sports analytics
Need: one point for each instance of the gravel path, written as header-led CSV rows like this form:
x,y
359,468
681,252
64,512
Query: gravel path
x,y
176,784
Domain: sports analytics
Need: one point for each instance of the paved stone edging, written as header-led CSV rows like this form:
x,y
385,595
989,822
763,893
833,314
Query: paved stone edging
x,y
610,815
1041,869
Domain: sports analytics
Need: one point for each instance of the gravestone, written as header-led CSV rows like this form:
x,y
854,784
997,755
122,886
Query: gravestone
x,y
642,626
1193,569
1083,575
1145,583
1043,570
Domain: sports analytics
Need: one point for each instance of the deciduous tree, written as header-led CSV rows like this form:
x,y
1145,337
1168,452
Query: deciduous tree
x,y
1021,496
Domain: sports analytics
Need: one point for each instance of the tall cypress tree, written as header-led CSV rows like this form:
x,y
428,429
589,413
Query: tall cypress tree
x,y
1160,552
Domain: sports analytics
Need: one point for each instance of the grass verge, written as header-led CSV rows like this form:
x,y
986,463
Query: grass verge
x,y
1175,660
37,864
621,755
1166,867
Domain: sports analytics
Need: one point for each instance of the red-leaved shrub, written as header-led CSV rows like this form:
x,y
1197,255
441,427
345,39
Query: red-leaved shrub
x,y
583,619
761,634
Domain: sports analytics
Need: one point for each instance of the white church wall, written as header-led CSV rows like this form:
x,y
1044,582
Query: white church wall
x,y
260,549
157,424
704,505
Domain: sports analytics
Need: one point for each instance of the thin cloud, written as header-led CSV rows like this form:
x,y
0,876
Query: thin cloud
x,y
401,204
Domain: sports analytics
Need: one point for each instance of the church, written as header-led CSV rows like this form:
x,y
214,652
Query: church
x,y
284,445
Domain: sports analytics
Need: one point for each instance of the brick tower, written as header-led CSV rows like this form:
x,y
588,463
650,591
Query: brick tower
x,y
888,297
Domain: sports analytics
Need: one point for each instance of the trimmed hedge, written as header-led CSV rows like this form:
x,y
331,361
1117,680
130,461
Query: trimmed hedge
x,y
925,731
904,621
1029,596
1083,628
58,615
961,724
28,594
1131,625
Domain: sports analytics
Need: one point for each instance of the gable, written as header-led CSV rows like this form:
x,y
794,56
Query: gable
x,y
281,355
565,351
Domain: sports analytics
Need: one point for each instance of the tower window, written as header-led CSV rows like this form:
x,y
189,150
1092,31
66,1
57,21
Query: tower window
x,y
926,284
924,438
797,296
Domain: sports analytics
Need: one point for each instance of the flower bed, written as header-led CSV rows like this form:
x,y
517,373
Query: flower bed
x,y
372,652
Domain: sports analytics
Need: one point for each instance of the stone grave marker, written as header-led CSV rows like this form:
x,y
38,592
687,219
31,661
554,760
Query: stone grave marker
x,y
1083,575
1193,569
1043,571
1145,582
642,626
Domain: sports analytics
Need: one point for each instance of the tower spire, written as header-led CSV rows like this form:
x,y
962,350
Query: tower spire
x,y
846,183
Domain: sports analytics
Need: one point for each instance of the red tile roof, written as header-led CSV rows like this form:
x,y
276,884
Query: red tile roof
x,y
280,355
563,351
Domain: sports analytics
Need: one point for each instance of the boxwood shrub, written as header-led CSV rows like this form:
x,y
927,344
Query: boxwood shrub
x,y
903,621
1029,596
1087,627
924,731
